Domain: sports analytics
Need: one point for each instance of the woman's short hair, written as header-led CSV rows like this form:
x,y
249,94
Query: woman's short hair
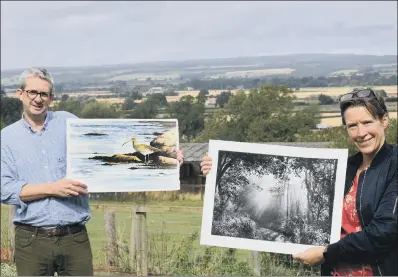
x,y
374,105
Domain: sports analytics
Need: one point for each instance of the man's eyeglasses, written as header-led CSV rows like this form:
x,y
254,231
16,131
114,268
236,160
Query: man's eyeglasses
x,y
32,94
363,93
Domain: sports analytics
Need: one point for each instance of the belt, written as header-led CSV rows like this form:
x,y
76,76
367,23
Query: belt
x,y
56,231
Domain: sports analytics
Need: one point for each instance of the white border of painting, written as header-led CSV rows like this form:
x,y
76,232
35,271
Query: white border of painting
x,y
207,238
69,121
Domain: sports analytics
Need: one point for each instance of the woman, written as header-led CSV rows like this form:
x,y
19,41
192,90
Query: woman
x,y
368,245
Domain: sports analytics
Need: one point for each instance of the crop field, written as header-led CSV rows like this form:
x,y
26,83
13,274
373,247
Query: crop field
x,y
302,94
334,119
89,93
113,100
337,91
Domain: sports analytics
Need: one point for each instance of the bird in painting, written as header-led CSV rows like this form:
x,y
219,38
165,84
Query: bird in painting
x,y
144,149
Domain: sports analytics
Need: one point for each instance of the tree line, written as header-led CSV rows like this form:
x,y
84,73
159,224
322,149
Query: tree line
x,y
266,114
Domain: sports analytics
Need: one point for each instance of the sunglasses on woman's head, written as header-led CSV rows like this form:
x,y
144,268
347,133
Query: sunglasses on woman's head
x,y
363,93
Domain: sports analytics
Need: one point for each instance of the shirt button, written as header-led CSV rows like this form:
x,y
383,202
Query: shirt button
x,y
43,151
45,166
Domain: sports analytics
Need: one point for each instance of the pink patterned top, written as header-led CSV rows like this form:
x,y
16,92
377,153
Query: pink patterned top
x,y
350,224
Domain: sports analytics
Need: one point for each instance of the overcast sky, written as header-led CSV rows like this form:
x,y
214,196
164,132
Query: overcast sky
x,y
97,33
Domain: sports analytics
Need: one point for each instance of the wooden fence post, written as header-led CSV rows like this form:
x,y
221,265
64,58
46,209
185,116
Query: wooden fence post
x,y
144,244
11,232
133,239
112,252
139,242
255,262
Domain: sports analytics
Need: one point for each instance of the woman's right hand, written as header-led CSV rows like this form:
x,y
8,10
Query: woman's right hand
x,y
206,164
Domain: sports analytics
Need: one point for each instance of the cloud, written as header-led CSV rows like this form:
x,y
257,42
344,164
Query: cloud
x,y
94,33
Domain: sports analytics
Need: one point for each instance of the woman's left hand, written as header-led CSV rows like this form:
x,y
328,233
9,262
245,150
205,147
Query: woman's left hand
x,y
311,256
180,157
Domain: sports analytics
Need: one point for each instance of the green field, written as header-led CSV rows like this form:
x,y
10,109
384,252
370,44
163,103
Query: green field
x,y
170,250
165,230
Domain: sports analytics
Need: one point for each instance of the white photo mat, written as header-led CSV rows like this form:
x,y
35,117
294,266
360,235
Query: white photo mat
x,y
290,151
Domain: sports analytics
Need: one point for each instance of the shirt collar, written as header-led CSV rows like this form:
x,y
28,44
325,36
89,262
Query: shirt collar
x,y
49,115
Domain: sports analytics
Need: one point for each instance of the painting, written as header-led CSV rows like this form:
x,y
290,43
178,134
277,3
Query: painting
x,y
123,155
273,198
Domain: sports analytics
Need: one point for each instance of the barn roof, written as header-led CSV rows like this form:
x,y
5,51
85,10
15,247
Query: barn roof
x,y
193,152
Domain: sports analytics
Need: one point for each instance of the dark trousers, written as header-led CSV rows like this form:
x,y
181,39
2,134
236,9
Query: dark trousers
x,y
40,254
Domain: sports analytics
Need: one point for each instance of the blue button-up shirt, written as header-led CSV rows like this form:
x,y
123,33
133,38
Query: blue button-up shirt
x,y
29,157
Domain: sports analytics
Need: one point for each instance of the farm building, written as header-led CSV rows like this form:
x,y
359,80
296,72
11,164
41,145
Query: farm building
x,y
154,90
210,102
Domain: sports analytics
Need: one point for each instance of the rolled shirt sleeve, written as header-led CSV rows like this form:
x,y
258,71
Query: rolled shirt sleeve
x,y
11,186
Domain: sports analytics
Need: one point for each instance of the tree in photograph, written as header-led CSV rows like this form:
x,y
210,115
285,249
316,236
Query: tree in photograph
x,y
290,217
319,178
233,187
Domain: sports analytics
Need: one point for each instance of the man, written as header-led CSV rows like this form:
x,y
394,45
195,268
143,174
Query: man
x,y
50,211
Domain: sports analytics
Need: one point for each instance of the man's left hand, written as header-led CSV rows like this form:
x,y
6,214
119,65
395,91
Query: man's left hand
x,y
311,256
180,157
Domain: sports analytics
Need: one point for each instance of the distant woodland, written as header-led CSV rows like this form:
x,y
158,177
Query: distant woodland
x,y
266,114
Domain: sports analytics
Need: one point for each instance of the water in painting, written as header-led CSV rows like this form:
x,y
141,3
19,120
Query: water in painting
x,y
100,154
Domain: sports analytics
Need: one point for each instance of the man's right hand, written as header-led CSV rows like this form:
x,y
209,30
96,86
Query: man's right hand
x,y
62,188
67,188
206,165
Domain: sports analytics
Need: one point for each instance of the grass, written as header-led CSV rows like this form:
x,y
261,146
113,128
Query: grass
x,y
173,242
176,225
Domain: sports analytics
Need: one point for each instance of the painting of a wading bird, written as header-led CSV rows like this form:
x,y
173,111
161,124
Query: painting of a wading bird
x,y
100,155
144,149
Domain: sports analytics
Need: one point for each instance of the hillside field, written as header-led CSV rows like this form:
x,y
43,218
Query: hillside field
x,y
302,94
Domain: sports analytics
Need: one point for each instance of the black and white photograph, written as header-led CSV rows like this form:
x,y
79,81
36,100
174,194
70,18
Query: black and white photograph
x,y
273,198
